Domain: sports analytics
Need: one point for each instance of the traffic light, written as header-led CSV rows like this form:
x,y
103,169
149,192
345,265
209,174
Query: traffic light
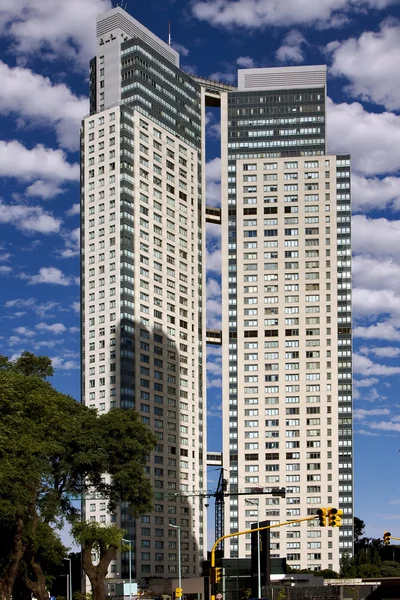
x,y
178,592
335,517
322,512
218,574
386,537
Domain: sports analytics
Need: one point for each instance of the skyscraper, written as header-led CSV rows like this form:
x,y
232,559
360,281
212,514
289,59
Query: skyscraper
x,y
286,279
142,218
287,322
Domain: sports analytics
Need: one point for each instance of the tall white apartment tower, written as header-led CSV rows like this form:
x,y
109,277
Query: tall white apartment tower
x,y
287,404
142,272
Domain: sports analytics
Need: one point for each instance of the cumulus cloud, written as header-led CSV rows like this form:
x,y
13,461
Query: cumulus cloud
x,y
259,14
56,328
50,275
375,302
29,219
365,366
5,270
371,193
213,182
24,331
246,62
384,330
374,273
214,306
360,414
39,162
44,189
74,210
39,102
65,365
376,237
370,63
53,29
71,243
383,351
369,137
292,48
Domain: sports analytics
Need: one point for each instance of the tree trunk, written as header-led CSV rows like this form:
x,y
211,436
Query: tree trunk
x,y
97,573
18,549
37,587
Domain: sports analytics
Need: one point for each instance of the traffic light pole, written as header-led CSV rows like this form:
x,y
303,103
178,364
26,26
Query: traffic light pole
x,y
229,535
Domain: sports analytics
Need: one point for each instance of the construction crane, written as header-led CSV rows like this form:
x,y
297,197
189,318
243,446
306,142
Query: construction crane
x,y
220,494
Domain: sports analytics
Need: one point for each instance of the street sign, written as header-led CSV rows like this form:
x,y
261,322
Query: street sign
x,y
218,596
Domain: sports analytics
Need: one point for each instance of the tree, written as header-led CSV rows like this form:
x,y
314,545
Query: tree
x,y
103,541
53,449
359,528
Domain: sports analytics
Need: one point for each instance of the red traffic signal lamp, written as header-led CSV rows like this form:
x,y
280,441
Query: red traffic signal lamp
x,y
386,537
322,514
335,517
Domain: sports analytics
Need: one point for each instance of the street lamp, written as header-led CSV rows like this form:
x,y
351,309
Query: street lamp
x,y
130,565
258,547
179,555
69,581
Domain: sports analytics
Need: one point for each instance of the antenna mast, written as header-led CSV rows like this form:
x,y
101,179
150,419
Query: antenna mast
x,y
169,33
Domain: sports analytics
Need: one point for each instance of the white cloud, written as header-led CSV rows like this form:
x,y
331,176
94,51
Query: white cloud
x,y
213,182
385,330
76,307
56,328
214,304
44,189
360,383
376,273
66,365
5,270
54,29
183,51
360,414
29,218
376,237
41,103
227,76
213,127
369,193
25,331
383,352
385,426
49,275
258,14
71,243
18,161
74,210
370,63
365,366
368,137
213,259
291,50
375,302
246,62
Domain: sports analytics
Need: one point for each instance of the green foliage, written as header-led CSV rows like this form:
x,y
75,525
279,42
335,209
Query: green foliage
x,y
282,594
99,537
53,449
390,568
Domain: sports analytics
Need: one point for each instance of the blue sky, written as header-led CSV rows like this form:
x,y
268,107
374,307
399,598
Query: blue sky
x,y
45,49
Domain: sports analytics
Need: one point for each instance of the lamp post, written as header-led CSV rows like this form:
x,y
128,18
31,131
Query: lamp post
x,y
179,554
258,548
69,580
130,565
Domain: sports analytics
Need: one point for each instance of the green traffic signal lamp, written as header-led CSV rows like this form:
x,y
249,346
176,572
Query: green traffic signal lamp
x,y
335,517
386,537
322,513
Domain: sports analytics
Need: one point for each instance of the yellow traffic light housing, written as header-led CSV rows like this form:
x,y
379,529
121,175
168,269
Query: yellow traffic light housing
x,y
386,537
322,513
218,574
335,517
178,592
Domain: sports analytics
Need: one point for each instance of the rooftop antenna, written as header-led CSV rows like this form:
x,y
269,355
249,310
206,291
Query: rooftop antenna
x,y
169,33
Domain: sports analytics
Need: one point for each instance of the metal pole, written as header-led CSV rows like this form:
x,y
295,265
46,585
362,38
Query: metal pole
x,y
258,547
68,598
179,555
69,580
